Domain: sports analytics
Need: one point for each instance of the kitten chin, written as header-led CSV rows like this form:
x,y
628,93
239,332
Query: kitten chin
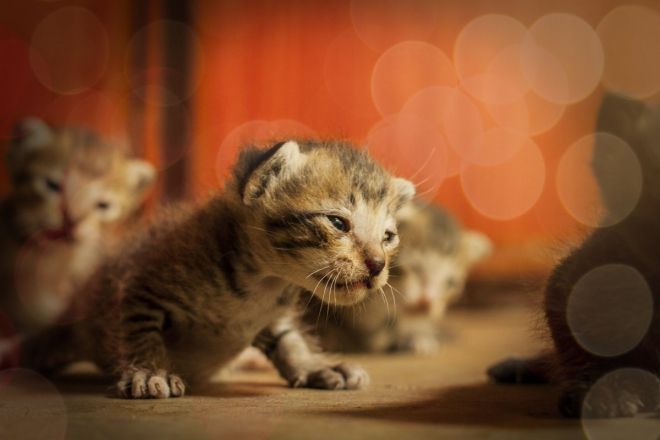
x,y
202,283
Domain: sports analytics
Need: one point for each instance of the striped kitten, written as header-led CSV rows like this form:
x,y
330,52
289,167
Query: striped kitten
x,y
428,274
601,302
70,192
204,283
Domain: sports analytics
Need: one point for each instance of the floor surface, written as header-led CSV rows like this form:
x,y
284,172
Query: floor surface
x,y
441,396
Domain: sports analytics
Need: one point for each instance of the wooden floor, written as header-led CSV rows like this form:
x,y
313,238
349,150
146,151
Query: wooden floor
x,y
443,396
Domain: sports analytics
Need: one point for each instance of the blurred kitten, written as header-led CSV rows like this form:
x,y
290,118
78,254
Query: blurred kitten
x,y
601,302
71,192
428,274
203,283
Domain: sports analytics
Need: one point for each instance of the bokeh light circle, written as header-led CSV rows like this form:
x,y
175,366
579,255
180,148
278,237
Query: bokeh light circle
x,y
619,172
347,70
160,82
412,148
531,115
382,23
632,58
69,50
509,189
562,58
503,81
258,133
614,394
404,69
497,145
455,116
479,47
32,407
610,309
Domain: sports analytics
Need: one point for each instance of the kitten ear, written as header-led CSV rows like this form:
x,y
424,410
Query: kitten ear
x,y
28,135
405,191
140,175
475,246
276,164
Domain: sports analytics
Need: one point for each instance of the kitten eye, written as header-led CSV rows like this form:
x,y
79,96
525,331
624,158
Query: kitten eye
x,y
389,236
53,185
102,205
339,223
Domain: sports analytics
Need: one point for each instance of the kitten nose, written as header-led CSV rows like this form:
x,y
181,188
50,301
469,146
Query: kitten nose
x,y
374,265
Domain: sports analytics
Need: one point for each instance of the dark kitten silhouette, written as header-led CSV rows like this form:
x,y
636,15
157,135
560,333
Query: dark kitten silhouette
x,y
601,302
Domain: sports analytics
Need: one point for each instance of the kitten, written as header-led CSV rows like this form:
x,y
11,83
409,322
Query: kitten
x,y
70,192
428,274
599,319
202,284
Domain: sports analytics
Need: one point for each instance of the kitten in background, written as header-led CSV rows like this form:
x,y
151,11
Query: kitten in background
x,y
601,302
428,274
71,194
201,284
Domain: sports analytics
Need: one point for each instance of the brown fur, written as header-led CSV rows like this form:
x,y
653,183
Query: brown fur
x,y
199,286
71,193
635,242
428,274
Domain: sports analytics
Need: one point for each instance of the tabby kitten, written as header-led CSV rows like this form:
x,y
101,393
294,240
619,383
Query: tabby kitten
x,y
203,284
601,302
70,192
428,274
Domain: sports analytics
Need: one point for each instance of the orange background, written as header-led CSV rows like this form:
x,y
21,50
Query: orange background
x,y
300,67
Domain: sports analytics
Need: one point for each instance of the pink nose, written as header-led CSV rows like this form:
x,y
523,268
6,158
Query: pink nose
x,y
425,304
374,265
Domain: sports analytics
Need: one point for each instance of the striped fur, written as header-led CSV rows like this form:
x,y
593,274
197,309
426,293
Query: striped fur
x,y
429,273
204,282
72,194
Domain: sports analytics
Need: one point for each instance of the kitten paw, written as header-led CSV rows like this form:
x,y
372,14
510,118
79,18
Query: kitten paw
x,y
140,383
339,377
421,345
516,371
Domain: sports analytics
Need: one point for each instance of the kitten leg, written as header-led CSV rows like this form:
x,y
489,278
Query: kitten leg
x,y
145,361
296,362
513,370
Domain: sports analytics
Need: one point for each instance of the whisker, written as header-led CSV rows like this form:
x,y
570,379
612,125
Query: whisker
x,y
317,270
387,304
393,300
426,162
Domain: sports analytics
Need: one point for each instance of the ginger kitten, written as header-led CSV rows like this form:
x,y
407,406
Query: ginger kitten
x,y
204,283
71,191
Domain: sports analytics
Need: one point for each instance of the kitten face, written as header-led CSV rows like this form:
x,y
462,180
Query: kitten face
x,y
328,218
69,184
435,258
429,281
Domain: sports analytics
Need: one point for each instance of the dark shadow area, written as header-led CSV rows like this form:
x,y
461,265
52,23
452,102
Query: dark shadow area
x,y
488,405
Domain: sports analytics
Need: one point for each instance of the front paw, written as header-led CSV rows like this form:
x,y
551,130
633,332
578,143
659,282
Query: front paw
x,y
340,377
421,345
141,383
